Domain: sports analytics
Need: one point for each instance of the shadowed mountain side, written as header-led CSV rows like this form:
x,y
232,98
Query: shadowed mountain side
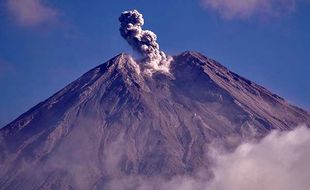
x,y
116,121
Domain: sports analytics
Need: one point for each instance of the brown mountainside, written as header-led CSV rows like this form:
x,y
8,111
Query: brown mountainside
x,y
115,121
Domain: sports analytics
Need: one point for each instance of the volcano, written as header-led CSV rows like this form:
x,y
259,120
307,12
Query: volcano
x,y
115,121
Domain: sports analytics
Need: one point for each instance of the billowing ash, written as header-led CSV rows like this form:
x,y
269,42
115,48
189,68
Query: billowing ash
x,y
143,41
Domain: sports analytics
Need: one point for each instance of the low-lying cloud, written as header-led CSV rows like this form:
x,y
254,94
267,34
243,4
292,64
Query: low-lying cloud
x,y
242,9
31,12
280,161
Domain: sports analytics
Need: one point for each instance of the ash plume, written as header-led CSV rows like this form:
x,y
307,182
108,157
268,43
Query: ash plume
x,y
143,41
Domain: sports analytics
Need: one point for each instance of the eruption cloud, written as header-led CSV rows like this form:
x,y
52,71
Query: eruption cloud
x,y
143,41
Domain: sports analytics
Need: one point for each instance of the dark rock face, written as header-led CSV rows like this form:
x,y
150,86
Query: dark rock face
x,y
114,122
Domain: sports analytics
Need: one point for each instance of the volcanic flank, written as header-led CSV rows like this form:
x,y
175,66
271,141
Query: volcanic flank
x,y
116,122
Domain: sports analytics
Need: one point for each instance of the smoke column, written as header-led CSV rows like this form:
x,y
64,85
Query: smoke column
x,y
143,41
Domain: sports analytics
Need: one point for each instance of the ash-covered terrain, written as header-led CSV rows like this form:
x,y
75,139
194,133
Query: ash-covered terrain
x,y
116,121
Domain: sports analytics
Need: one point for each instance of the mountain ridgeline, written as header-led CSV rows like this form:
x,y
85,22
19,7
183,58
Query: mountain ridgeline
x,y
115,121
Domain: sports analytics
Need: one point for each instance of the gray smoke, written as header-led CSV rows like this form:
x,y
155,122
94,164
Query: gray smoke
x,y
143,41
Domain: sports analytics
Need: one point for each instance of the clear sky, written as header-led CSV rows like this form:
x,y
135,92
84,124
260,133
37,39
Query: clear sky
x,y
45,44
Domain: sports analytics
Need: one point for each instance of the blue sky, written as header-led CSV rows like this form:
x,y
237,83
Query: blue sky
x,y
45,44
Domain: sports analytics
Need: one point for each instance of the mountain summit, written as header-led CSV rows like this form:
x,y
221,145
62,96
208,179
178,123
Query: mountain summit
x,y
117,121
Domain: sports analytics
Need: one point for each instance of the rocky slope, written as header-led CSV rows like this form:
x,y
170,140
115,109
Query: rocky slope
x,y
115,121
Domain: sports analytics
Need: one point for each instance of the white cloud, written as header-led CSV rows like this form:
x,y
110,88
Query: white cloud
x,y
31,12
279,162
242,9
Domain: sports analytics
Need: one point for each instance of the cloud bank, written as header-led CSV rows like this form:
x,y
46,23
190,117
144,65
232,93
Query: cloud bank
x,y
280,161
242,9
31,12
143,41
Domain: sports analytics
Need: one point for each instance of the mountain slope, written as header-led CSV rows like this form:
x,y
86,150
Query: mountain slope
x,y
115,121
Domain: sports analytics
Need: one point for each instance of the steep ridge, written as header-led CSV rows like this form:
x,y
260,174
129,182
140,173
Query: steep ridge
x,y
116,121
